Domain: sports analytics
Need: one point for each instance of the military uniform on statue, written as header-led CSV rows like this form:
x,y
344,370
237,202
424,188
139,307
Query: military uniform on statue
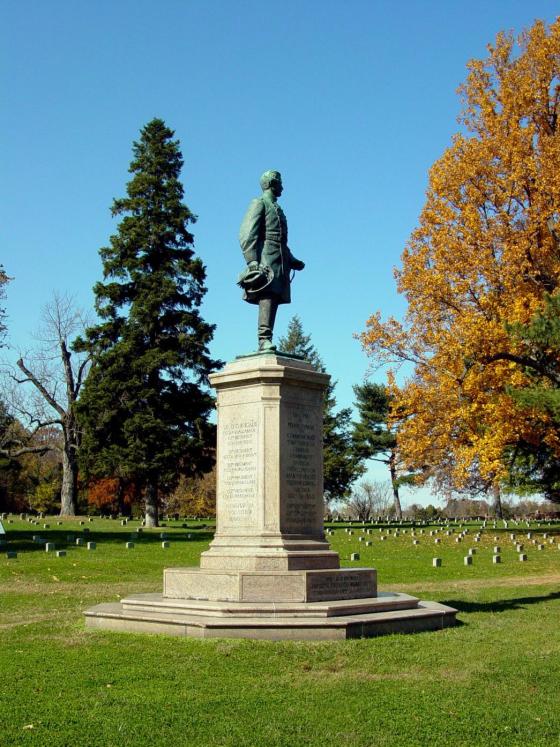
x,y
264,241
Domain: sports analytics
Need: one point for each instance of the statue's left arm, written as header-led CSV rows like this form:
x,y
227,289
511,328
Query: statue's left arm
x,y
295,264
251,229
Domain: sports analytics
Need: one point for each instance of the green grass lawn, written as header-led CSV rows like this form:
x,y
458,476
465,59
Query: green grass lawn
x,y
493,680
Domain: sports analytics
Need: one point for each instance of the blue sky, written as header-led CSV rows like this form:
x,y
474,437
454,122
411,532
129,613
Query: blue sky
x,y
351,101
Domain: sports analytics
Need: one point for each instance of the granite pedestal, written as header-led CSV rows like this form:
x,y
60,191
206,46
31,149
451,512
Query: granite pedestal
x,y
269,571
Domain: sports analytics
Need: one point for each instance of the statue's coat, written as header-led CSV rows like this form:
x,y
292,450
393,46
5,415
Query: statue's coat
x,y
264,239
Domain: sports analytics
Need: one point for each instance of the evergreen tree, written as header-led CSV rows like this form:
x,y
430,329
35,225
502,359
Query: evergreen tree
x,y
144,408
535,464
373,437
340,466
296,342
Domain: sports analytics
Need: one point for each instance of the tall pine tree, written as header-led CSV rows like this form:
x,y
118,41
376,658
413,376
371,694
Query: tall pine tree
x,y
340,465
373,437
144,408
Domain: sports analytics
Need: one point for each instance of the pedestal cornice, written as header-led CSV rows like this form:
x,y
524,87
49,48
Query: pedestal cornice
x,y
268,368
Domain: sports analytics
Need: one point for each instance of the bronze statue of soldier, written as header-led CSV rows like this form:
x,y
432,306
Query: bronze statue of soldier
x,y
264,241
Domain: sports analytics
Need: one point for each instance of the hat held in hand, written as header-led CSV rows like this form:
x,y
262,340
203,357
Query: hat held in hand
x,y
255,279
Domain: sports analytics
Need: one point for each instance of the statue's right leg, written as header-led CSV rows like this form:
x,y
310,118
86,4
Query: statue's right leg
x,y
267,316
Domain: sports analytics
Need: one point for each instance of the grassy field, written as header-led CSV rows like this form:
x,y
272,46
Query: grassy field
x,y
494,679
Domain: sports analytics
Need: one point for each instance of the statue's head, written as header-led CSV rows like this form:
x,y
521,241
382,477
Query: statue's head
x,y
272,180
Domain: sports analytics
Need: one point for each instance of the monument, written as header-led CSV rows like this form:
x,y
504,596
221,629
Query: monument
x,y
269,571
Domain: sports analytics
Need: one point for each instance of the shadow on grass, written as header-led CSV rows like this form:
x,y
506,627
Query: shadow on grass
x,y
503,605
23,539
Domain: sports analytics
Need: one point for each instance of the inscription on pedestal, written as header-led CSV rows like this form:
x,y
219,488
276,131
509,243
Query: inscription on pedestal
x,y
238,472
301,469
341,585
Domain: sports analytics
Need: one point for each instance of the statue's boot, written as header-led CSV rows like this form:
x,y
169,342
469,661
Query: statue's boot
x,y
267,315
265,345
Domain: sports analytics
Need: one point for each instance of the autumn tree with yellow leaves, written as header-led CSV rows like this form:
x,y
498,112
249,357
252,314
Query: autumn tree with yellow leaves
x,y
478,268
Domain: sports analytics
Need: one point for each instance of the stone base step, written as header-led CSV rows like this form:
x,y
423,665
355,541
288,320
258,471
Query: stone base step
x,y
384,602
424,616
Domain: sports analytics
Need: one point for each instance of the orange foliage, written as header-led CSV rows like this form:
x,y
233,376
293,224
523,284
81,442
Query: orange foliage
x,y
109,492
483,256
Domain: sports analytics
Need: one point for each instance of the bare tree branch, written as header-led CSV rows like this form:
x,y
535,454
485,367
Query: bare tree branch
x,y
38,385
81,370
24,450
524,360
56,375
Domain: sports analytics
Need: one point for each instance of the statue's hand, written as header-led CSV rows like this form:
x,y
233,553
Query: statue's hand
x,y
297,264
254,265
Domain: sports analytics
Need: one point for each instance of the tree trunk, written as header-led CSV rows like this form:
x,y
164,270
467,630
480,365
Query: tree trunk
x,y
69,491
151,503
124,508
497,502
395,486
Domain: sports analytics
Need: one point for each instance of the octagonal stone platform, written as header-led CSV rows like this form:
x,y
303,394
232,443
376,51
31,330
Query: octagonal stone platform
x,y
386,613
